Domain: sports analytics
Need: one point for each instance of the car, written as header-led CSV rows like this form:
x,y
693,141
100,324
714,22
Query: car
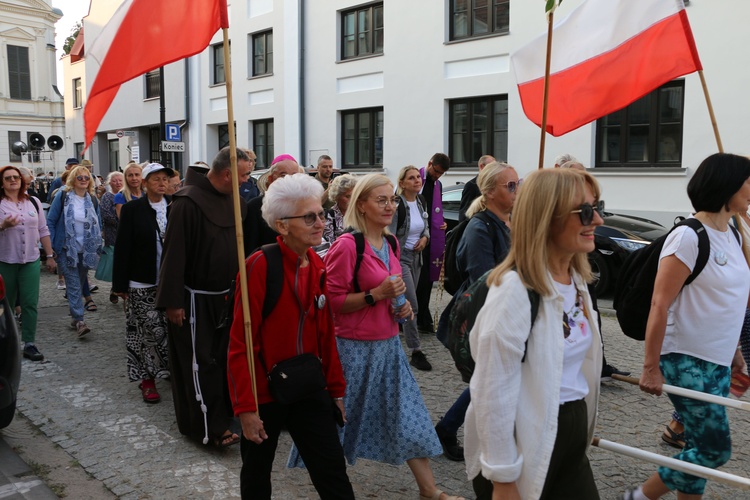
x,y
10,360
615,239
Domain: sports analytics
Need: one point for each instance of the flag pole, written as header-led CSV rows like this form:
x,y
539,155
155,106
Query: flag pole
x,y
238,218
711,111
550,19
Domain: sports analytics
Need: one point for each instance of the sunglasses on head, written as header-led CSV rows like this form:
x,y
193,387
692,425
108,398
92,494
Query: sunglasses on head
x,y
586,212
309,218
513,185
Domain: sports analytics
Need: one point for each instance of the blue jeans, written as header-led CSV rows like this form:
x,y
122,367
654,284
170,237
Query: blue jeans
x,y
76,284
455,416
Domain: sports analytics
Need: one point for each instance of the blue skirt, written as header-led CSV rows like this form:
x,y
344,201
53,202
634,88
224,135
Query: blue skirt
x,y
387,420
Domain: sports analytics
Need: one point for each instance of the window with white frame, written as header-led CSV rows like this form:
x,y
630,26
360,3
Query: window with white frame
x,y
77,93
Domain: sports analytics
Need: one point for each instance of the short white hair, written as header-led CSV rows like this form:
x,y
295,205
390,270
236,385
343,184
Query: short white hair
x,y
564,158
284,194
340,185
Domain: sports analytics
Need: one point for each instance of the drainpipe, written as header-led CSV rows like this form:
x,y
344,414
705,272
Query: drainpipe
x,y
302,128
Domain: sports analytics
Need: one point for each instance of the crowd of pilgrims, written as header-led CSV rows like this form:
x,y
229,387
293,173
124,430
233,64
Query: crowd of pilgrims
x,y
328,263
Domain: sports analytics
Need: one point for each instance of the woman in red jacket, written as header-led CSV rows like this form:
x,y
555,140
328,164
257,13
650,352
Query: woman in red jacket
x,y
300,322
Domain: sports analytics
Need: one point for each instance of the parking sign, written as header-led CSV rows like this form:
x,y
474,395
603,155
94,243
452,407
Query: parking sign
x,y
173,132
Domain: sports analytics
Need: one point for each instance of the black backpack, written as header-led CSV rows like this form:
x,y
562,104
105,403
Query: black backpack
x,y
462,318
275,277
635,285
453,277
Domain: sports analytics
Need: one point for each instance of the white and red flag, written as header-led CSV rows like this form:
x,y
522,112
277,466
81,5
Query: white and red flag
x,y
142,36
605,55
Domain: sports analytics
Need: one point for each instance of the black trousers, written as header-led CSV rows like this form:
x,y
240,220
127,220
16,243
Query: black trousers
x,y
312,426
424,290
569,476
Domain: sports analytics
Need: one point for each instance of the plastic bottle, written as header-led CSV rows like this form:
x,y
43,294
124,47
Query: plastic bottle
x,y
397,303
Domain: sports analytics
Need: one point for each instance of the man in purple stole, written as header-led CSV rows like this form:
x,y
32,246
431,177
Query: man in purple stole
x,y
432,255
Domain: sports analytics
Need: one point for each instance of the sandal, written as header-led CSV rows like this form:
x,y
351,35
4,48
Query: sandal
x,y
113,298
674,439
227,439
90,306
436,496
149,392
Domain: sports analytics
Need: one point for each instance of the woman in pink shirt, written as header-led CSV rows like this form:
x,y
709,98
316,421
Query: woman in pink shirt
x,y
387,420
22,226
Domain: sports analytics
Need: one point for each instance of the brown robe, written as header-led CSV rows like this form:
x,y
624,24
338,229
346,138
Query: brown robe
x,y
200,252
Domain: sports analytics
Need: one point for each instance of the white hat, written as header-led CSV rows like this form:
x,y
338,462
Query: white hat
x,y
156,167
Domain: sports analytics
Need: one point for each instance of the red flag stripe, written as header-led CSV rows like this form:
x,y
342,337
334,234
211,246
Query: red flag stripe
x,y
142,36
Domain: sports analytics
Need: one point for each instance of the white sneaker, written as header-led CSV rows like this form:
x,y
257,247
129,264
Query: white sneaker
x,y
60,285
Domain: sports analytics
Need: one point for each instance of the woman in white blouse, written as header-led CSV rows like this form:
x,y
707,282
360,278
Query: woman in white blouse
x,y
535,390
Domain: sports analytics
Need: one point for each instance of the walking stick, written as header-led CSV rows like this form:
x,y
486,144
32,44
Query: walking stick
x,y
674,464
687,393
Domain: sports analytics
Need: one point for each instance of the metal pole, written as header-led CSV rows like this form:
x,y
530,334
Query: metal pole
x,y
162,119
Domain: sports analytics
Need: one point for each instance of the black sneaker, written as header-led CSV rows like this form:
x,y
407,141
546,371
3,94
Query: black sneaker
x,y
419,361
31,352
609,370
451,449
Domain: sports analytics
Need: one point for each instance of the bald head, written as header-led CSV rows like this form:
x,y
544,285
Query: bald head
x,y
484,161
282,169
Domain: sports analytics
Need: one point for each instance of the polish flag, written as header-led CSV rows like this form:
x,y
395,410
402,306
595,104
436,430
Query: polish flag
x,y
605,55
142,36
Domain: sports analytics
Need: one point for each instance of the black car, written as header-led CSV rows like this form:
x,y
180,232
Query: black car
x,y
615,239
10,360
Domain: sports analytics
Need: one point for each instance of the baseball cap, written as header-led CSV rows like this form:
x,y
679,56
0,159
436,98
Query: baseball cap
x,y
156,167
71,161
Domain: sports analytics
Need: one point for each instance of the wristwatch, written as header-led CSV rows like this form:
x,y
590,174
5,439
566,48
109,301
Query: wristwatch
x,y
369,298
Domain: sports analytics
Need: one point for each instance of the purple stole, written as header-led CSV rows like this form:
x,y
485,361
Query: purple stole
x,y
437,235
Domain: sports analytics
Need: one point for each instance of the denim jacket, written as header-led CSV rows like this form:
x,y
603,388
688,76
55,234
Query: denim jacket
x,y
56,221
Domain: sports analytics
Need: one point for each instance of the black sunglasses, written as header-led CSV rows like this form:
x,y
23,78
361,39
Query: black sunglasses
x,y
309,218
586,212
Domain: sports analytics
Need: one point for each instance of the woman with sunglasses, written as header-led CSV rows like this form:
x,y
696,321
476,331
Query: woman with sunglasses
x,y
132,190
534,391
484,244
137,259
73,222
300,323
386,417
693,331
22,227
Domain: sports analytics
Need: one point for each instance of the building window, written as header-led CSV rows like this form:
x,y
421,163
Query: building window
x,y
478,126
114,155
13,137
218,76
223,136
153,84
262,51
362,137
77,93
35,153
647,133
19,73
362,31
154,138
78,146
471,18
263,143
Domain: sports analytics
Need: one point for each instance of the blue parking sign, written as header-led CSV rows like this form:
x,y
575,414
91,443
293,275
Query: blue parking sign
x,y
173,132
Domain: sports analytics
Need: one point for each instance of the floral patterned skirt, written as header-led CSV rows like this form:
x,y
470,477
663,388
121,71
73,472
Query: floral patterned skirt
x,y
146,336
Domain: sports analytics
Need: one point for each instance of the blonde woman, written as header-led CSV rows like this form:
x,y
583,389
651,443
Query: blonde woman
x,y
73,222
132,190
534,392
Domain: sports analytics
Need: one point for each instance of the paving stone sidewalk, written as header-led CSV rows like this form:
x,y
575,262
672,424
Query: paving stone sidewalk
x,y
81,399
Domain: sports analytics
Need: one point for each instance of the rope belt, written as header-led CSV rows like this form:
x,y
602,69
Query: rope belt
x,y
196,379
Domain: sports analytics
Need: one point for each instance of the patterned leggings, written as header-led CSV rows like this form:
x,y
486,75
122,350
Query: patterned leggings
x,y
146,336
706,425
745,338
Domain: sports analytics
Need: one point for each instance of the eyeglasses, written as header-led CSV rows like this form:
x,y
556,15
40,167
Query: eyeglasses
x,y
12,178
513,185
382,201
83,178
309,218
586,212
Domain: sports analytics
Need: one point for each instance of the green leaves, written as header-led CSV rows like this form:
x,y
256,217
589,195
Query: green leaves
x,y
551,5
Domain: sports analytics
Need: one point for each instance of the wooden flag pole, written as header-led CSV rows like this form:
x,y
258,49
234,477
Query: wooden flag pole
x,y
550,19
687,393
674,464
711,111
238,217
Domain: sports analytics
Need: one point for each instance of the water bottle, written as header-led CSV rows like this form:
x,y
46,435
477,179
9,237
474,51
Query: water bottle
x,y
397,303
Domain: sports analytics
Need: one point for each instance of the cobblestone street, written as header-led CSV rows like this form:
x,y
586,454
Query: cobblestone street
x,y
80,398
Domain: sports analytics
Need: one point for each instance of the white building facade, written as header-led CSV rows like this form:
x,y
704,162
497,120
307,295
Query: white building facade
x,y
30,102
380,85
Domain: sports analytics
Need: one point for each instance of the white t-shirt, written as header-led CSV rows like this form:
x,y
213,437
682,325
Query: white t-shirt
x,y
416,225
705,319
573,385
79,217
